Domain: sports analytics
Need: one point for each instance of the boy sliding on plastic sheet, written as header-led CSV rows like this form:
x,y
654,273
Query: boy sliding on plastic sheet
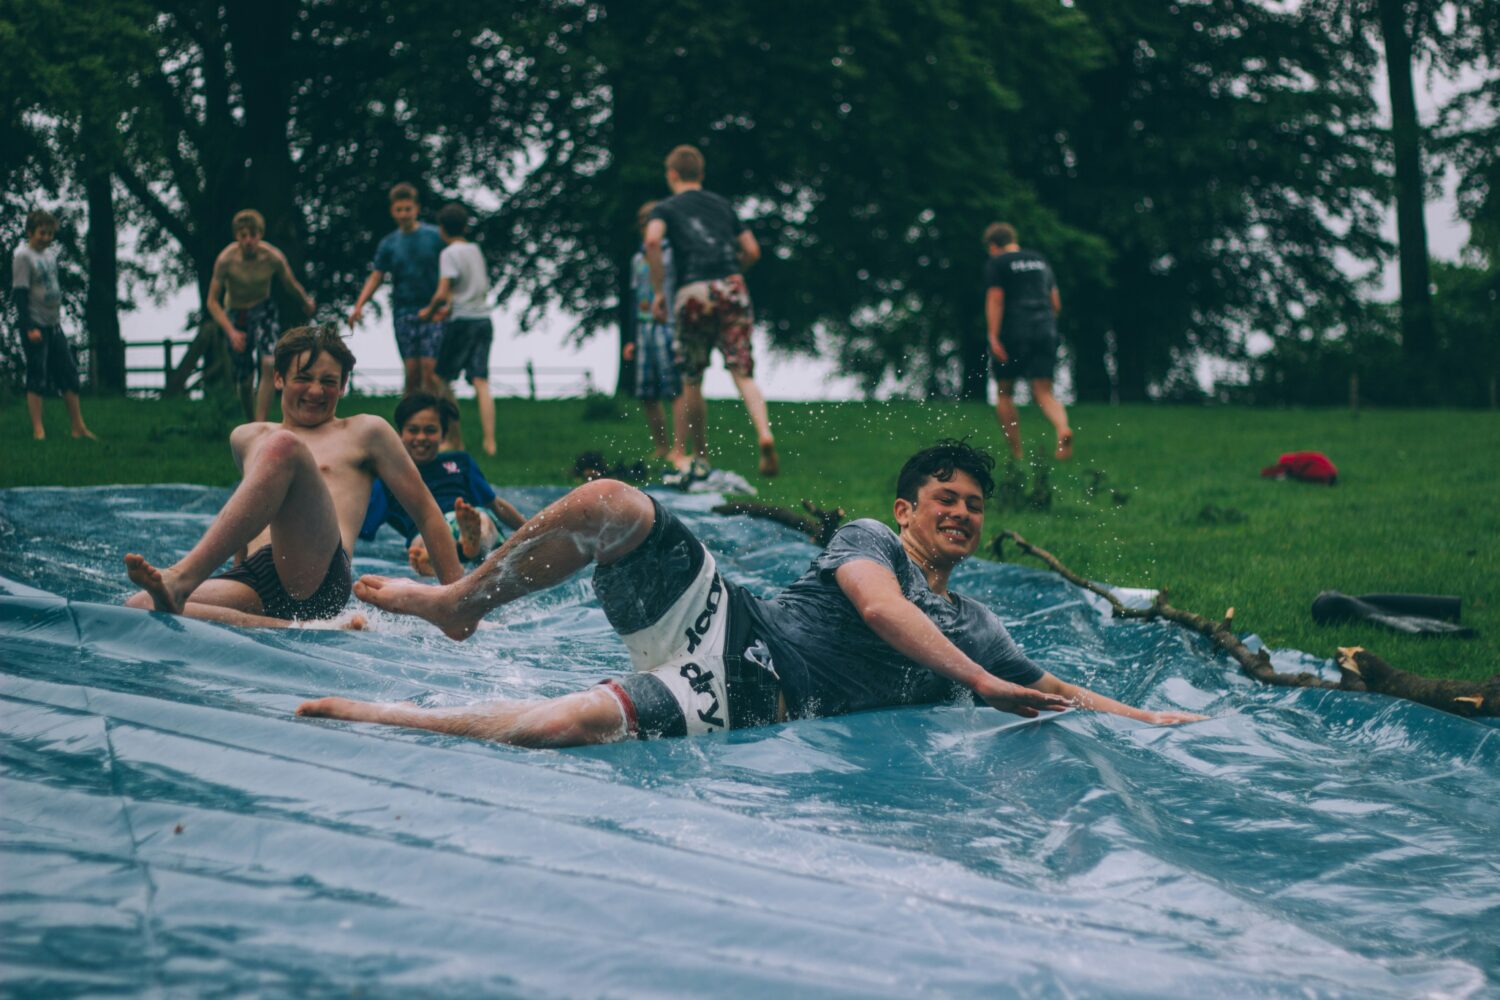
x,y
298,508
37,296
469,504
242,278
872,624
711,309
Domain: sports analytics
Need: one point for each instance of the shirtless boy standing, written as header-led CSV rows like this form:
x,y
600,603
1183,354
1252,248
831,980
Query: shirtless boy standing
x,y
299,505
242,278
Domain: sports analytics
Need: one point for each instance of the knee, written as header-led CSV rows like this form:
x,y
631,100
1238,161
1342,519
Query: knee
x,y
282,445
609,495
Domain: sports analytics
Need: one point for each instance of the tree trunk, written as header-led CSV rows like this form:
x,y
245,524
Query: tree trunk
x,y
1091,382
973,346
260,35
1417,337
101,315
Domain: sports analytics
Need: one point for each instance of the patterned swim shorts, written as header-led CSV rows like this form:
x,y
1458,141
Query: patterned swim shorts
x,y
262,328
714,314
417,338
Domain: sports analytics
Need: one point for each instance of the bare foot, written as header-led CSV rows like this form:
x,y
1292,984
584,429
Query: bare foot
x,y
1065,445
438,605
678,460
156,583
38,435
770,464
419,560
84,432
470,529
489,446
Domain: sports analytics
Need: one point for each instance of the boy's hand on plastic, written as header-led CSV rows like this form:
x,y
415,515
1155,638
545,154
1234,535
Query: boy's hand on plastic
x,y
1175,718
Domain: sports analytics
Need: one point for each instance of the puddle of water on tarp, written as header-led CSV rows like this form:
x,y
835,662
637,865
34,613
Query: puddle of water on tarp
x,y
168,824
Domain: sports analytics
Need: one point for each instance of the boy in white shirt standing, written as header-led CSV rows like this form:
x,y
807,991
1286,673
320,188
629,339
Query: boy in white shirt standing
x,y
462,298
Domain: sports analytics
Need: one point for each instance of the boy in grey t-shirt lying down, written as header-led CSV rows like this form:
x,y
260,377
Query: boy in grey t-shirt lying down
x,y
871,624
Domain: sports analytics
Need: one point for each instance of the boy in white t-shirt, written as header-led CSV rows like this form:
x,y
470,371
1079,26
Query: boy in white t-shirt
x,y
462,298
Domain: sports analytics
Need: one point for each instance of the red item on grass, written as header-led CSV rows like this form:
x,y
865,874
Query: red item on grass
x,y
1308,466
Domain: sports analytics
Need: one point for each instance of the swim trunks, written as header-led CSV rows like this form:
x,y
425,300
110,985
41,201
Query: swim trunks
x,y
713,314
699,666
261,328
465,349
49,361
417,338
1032,354
259,574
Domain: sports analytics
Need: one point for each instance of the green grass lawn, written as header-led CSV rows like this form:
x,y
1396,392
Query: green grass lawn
x,y
1415,509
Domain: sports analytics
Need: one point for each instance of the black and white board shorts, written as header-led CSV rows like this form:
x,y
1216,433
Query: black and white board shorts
x,y
699,667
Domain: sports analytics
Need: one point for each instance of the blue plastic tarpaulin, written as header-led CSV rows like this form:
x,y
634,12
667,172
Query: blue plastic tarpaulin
x,y
168,825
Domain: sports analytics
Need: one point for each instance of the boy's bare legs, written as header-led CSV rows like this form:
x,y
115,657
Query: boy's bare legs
x,y
602,522
486,413
694,424
34,409
755,403
411,369
282,488
1005,412
75,416
265,388
1041,391
245,387
656,419
578,719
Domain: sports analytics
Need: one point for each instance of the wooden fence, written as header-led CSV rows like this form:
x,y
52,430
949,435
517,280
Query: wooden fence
x,y
528,381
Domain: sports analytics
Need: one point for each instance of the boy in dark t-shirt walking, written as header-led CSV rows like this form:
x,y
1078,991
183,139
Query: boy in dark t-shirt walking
x,y
711,248
1021,297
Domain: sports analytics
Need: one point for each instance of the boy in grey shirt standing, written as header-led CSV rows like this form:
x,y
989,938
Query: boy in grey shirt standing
x,y
462,297
37,297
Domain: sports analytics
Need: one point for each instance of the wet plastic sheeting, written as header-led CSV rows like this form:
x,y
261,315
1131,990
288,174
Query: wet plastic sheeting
x,y
169,825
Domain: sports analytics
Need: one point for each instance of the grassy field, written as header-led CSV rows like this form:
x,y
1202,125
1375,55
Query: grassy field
x,y
1155,496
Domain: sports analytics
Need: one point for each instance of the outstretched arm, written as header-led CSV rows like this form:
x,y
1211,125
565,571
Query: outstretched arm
x,y
994,311
508,515
371,284
1084,698
395,468
876,594
441,297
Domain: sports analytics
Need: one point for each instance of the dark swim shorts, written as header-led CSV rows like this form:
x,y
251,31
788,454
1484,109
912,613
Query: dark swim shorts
x,y
262,329
699,667
1032,350
259,574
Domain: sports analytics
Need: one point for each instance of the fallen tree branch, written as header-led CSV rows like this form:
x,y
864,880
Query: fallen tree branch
x,y
1359,669
819,527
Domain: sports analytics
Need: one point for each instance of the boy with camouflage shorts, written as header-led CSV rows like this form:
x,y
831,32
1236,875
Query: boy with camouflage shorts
x,y
712,309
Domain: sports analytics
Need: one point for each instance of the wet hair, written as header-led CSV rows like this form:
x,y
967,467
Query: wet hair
x,y
1000,234
415,402
318,340
940,462
688,162
453,218
643,214
403,192
248,220
39,217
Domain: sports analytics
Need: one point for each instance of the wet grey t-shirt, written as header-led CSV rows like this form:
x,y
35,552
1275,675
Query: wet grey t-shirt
x,y
831,663
37,273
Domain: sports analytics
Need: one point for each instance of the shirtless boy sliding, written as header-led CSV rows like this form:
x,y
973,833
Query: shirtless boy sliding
x,y
299,505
